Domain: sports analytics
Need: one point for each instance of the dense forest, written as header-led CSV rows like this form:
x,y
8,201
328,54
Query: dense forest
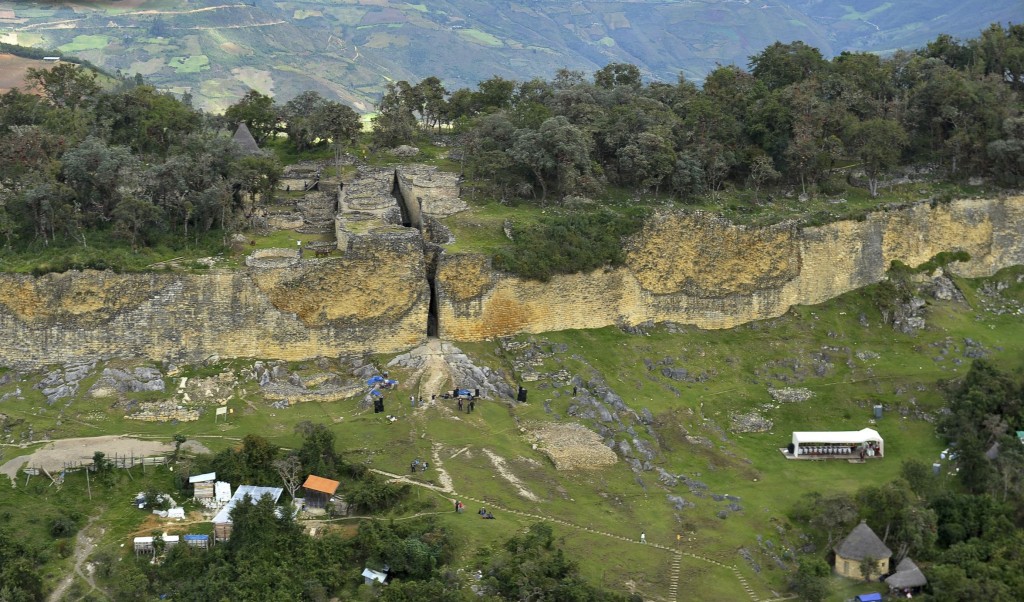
x,y
790,119
128,165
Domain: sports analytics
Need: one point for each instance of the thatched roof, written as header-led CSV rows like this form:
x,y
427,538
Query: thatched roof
x,y
907,575
243,137
862,543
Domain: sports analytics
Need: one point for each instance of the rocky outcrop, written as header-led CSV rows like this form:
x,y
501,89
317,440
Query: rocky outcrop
x,y
704,271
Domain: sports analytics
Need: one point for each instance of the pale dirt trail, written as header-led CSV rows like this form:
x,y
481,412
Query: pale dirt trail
x,y
85,542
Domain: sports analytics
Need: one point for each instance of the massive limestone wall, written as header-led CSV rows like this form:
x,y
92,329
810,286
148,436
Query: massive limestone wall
x,y
429,192
704,271
374,299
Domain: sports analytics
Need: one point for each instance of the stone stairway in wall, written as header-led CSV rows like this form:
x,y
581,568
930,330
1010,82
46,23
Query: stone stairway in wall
x,y
318,210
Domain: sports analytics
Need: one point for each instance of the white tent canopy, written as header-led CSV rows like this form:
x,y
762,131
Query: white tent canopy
x,y
807,438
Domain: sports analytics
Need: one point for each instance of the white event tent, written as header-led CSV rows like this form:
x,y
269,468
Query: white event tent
x,y
861,437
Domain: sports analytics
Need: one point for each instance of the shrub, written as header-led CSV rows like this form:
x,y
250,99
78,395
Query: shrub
x,y
568,244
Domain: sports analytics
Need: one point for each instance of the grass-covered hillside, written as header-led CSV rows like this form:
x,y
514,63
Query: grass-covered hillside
x,y
671,400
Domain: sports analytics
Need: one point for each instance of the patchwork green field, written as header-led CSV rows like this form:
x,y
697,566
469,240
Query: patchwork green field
x,y
349,50
720,497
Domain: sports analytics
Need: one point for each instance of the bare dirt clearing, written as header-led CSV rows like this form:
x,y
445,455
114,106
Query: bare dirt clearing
x,y
13,70
55,454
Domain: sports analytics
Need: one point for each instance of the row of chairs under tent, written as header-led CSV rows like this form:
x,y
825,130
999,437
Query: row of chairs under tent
x,y
827,450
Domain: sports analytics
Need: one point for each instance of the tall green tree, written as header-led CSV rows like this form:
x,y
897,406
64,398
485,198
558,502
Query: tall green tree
x,y
877,143
66,85
258,112
301,118
394,123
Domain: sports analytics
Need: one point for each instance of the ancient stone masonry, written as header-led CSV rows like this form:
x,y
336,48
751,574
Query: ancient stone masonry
x,y
389,284
704,271
374,299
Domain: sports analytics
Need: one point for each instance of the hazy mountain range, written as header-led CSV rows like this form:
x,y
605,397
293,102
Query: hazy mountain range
x,y
217,49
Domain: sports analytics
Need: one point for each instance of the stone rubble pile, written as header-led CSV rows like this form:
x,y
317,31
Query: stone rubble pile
x,y
113,381
790,395
63,382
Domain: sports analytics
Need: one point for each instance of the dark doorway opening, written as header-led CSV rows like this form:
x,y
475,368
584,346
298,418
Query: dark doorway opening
x,y
432,310
396,192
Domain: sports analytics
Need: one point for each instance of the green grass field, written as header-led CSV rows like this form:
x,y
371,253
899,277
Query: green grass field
x,y
597,507
86,42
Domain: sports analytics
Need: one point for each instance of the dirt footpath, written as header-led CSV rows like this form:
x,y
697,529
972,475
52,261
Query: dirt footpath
x,y
53,455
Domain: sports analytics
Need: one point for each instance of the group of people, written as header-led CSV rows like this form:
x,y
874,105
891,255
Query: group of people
x,y
417,466
483,512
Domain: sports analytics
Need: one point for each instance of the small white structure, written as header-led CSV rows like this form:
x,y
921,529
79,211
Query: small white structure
x,y
198,541
51,59
203,485
170,540
806,442
370,576
222,492
144,545
178,513
222,522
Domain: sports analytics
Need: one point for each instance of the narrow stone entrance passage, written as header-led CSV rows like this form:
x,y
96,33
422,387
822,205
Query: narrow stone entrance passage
x,y
396,192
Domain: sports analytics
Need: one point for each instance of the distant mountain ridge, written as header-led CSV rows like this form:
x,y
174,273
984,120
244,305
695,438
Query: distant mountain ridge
x,y
348,49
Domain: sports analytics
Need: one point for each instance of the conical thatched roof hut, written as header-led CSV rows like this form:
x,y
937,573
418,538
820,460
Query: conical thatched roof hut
x,y
907,576
243,137
861,544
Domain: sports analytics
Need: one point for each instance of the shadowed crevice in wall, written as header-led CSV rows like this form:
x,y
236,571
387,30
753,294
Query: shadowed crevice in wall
x,y
403,205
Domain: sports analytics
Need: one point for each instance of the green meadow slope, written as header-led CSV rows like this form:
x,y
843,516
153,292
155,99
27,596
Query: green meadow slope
x,y
714,502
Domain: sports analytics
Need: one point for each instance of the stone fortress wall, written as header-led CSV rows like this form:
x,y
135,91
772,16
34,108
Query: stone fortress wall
x,y
376,297
707,272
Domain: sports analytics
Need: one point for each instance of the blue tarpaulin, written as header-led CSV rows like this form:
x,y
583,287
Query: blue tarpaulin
x,y
463,392
872,597
376,393
374,380
197,538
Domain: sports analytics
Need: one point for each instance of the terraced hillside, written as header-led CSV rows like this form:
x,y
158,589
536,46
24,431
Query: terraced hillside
x,y
217,49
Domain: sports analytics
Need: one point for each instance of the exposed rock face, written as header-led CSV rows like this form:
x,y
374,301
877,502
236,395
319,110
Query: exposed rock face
x,y
703,271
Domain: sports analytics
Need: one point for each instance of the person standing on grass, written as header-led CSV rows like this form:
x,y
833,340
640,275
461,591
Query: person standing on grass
x,y
643,537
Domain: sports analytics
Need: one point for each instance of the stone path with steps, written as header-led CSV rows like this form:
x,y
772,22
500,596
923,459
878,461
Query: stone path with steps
x,y
677,556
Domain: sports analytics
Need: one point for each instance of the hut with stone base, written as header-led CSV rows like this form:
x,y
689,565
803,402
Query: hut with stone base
x,y
862,545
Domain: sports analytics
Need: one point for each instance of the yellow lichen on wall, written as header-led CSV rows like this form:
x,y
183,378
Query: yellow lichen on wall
x,y
69,296
706,272
709,257
343,290
318,308
464,276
